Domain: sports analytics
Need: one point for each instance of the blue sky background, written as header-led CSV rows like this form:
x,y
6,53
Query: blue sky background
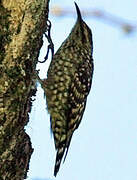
x,y
105,145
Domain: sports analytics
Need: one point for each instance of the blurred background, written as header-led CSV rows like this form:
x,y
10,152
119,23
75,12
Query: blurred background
x,y
105,145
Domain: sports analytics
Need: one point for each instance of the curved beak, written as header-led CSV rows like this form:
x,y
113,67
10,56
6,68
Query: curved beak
x,y
78,12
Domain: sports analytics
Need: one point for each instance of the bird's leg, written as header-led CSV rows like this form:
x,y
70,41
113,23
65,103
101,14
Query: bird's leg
x,y
51,45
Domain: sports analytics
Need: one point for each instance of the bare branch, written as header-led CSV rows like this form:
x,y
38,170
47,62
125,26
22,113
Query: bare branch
x,y
125,25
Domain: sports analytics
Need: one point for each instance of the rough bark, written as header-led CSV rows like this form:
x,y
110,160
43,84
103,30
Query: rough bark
x,y
22,24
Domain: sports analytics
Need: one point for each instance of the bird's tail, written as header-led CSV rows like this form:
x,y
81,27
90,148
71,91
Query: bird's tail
x,y
59,156
67,147
60,153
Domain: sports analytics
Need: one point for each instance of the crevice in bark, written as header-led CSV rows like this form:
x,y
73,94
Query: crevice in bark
x,y
22,24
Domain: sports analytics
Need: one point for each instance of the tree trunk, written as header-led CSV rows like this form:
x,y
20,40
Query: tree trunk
x,y
22,24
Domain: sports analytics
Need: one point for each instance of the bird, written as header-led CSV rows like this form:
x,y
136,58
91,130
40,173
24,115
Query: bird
x,y
68,84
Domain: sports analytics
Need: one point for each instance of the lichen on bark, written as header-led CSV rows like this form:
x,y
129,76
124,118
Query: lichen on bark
x,y
23,23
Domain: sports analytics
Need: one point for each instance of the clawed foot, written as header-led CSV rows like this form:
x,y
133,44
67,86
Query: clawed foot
x,y
51,45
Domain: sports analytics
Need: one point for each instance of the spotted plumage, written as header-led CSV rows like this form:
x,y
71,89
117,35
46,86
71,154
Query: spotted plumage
x,y
68,84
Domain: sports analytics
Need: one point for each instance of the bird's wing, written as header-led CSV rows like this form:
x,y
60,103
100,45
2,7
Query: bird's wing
x,y
79,91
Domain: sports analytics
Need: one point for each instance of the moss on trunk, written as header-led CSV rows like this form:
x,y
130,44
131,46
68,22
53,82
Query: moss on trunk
x,y
22,24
